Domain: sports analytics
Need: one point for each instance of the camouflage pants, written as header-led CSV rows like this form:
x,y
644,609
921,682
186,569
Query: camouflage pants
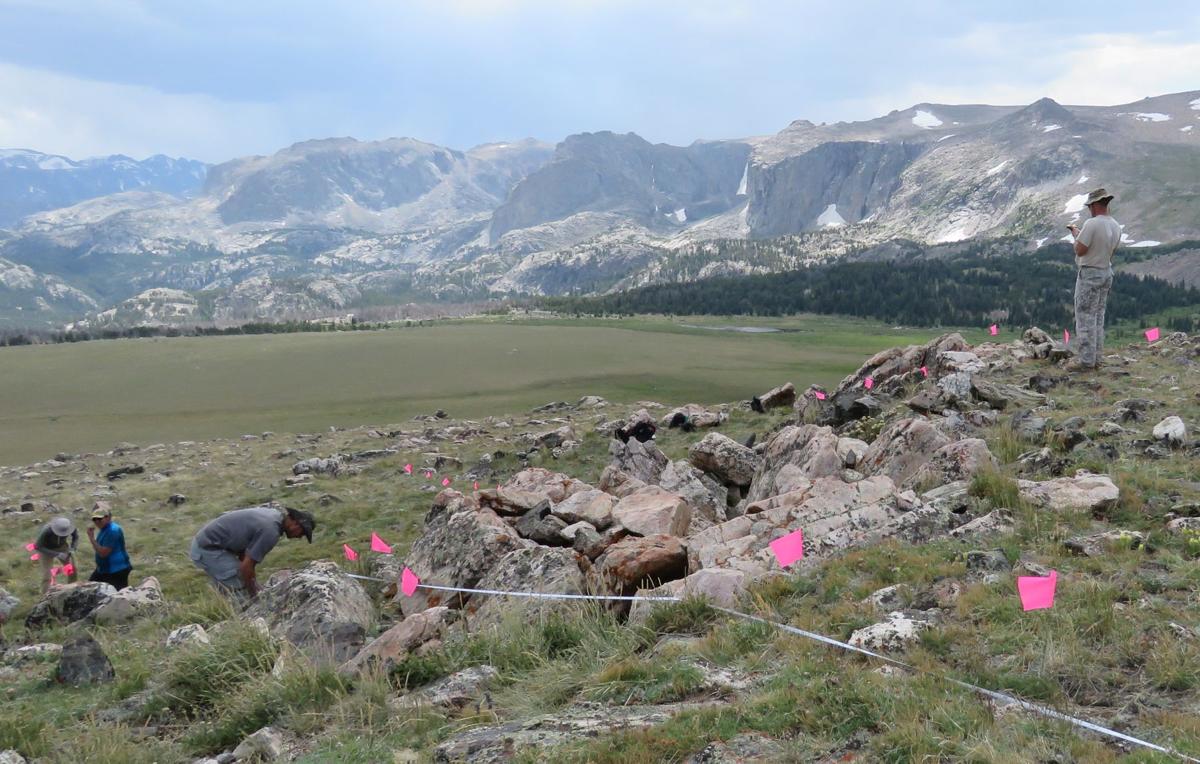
x,y
1091,296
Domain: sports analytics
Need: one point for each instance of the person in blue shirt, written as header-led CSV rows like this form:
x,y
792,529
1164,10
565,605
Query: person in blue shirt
x,y
112,561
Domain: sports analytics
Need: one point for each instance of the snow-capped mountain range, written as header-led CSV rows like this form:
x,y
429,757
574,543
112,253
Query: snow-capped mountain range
x,y
327,222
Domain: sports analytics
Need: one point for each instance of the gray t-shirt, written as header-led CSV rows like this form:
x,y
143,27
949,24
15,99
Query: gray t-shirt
x,y
1101,235
254,531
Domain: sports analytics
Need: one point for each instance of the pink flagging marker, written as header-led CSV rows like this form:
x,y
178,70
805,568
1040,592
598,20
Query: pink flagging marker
x,y
1152,335
35,557
445,482
476,485
924,371
993,330
868,383
409,582
819,395
787,549
351,555
30,546
69,569
429,476
408,469
1037,592
1066,336
379,545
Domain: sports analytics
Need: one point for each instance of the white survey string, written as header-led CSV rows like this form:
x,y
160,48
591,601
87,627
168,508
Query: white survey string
x,y
1001,696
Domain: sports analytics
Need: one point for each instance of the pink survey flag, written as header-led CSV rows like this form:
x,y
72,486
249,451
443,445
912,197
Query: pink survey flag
x,y
1066,336
1152,335
351,555
35,557
31,546
69,569
868,383
54,575
378,545
1037,592
924,371
818,395
476,485
408,582
993,330
429,476
445,482
408,469
789,548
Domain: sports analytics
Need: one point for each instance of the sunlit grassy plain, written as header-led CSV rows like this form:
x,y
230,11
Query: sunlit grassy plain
x,y
88,396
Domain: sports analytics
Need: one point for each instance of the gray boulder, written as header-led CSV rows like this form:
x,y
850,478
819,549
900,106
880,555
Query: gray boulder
x,y
896,633
1085,491
954,461
189,634
83,662
902,448
653,510
539,569
707,497
8,603
457,691
457,547
263,745
68,603
394,645
643,461
730,461
319,609
779,397
793,457
592,506
130,604
1171,431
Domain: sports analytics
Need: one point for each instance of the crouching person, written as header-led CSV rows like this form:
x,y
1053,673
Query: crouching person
x,y
230,547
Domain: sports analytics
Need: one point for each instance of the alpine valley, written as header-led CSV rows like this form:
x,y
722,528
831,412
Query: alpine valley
x,y
331,226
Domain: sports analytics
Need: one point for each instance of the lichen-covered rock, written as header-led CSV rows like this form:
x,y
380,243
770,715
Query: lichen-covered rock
x,y
794,456
652,510
457,691
8,603
900,450
730,461
457,547
189,634
392,646
1093,492
83,662
707,497
537,569
896,633
68,603
131,603
554,486
263,745
643,461
593,506
954,461
319,609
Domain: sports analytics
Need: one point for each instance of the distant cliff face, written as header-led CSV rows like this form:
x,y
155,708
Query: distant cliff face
x,y
606,172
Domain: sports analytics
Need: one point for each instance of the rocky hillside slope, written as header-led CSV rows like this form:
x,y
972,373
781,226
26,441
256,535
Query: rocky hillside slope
x,y
602,211
924,484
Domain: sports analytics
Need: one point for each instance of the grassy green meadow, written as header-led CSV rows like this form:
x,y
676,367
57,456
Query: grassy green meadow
x,y
88,396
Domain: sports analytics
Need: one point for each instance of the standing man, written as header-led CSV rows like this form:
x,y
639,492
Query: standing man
x,y
1094,247
55,545
112,561
230,547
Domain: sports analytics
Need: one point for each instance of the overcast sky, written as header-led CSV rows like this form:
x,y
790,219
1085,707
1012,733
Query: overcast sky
x,y
224,78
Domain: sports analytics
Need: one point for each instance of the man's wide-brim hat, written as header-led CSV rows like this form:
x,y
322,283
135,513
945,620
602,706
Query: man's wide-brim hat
x,y
1099,195
62,526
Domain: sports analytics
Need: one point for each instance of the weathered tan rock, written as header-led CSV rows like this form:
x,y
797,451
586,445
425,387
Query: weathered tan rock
x,y
728,460
458,546
954,461
555,486
693,415
902,448
394,645
707,497
594,507
618,482
652,510
778,397
897,364
851,450
643,461
637,562
794,456
1093,492
512,502
896,633
536,569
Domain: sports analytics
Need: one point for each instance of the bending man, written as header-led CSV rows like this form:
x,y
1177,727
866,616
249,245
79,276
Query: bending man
x,y
230,547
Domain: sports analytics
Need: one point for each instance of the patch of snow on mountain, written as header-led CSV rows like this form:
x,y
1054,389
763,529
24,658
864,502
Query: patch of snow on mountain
x,y
1195,105
830,218
1146,243
925,119
1151,116
1068,237
944,137
1125,238
1051,128
1187,129
1082,179
745,177
1039,243
996,169
1074,204
680,215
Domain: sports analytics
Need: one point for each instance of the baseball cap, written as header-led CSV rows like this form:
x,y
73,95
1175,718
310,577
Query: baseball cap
x,y
307,523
